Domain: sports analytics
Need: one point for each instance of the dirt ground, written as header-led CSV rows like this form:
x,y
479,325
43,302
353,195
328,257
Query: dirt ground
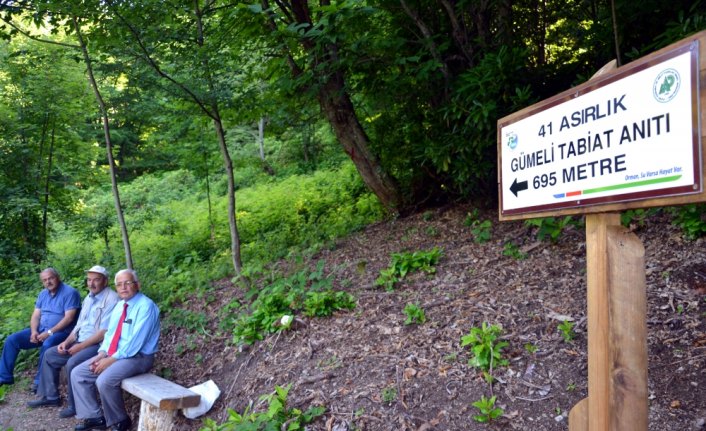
x,y
373,372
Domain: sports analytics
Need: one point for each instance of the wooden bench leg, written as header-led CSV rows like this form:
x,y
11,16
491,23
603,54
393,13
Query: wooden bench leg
x,y
155,419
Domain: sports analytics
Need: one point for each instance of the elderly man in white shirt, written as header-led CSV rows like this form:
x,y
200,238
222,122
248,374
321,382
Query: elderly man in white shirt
x,y
81,344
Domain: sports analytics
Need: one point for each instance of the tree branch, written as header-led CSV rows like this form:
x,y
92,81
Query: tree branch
x,y
38,39
158,69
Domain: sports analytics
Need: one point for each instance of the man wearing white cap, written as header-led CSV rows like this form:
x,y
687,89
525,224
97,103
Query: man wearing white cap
x,y
81,344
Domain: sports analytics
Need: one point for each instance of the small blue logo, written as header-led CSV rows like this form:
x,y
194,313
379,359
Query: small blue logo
x,y
512,140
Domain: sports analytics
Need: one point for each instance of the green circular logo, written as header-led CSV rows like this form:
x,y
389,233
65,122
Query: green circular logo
x,y
666,85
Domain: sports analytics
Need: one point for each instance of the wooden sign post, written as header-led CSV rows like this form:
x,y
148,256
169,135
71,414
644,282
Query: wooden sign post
x,y
605,146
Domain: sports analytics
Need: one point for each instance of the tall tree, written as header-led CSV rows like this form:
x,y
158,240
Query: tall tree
x,y
108,144
198,57
43,121
315,62
60,16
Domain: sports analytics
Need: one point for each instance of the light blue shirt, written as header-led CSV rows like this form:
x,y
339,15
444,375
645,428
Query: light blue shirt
x,y
95,313
140,331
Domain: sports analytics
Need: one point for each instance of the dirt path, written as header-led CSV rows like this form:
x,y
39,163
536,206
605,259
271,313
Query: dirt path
x,y
15,415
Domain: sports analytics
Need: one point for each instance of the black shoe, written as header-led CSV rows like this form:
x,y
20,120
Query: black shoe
x,y
123,425
68,412
91,424
44,402
5,382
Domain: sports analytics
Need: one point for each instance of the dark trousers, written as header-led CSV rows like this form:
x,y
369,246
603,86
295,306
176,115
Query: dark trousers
x,y
20,341
51,367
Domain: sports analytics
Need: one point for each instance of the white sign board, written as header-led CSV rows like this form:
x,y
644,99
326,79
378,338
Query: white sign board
x,y
635,137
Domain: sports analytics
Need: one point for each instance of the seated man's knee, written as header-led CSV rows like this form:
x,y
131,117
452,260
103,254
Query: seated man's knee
x,y
107,382
17,340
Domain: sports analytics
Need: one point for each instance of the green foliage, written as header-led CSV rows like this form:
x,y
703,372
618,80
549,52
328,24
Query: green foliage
x,y
510,249
389,395
550,227
487,409
3,392
17,295
415,314
481,229
278,416
488,91
303,212
531,348
636,217
307,291
169,222
187,319
686,22
407,262
691,219
566,328
323,304
486,349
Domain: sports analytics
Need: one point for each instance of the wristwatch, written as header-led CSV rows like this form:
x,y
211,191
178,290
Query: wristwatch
x,y
49,332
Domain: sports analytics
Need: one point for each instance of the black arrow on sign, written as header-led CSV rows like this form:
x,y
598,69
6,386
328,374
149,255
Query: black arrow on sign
x,y
518,187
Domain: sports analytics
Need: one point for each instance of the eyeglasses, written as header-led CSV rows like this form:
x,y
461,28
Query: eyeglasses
x,y
125,283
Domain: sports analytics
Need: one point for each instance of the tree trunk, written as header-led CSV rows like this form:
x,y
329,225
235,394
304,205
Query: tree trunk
x,y
339,111
45,204
261,138
108,145
261,143
211,226
211,111
228,167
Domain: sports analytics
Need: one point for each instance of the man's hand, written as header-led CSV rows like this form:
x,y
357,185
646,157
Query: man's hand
x,y
33,338
76,348
43,336
61,348
101,365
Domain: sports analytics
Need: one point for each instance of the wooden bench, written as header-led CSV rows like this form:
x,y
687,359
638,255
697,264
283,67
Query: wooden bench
x,y
160,400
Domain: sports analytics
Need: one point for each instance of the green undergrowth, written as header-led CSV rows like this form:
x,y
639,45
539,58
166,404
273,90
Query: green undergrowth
x,y
304,292
178,247
404,263
277,416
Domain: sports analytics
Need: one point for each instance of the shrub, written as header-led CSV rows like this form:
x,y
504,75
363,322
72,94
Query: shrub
x,y
406,262
485,347
691,219
278,415
414,314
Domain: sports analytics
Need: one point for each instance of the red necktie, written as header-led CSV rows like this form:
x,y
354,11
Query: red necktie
x,y
116,337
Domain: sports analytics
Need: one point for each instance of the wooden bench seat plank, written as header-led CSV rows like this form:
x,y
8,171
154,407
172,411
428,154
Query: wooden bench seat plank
x,y
160,392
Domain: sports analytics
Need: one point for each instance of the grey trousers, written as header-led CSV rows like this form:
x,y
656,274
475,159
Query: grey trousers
x,y
51,367
85,383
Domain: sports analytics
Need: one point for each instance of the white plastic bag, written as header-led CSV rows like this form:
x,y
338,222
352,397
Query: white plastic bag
x,y
209,394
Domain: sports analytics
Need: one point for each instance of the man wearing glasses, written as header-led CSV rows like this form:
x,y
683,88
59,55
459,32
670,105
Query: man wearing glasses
x,y
81,344
128,349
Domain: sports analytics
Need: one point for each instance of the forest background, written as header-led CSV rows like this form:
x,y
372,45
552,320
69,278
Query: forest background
x,y
128,129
